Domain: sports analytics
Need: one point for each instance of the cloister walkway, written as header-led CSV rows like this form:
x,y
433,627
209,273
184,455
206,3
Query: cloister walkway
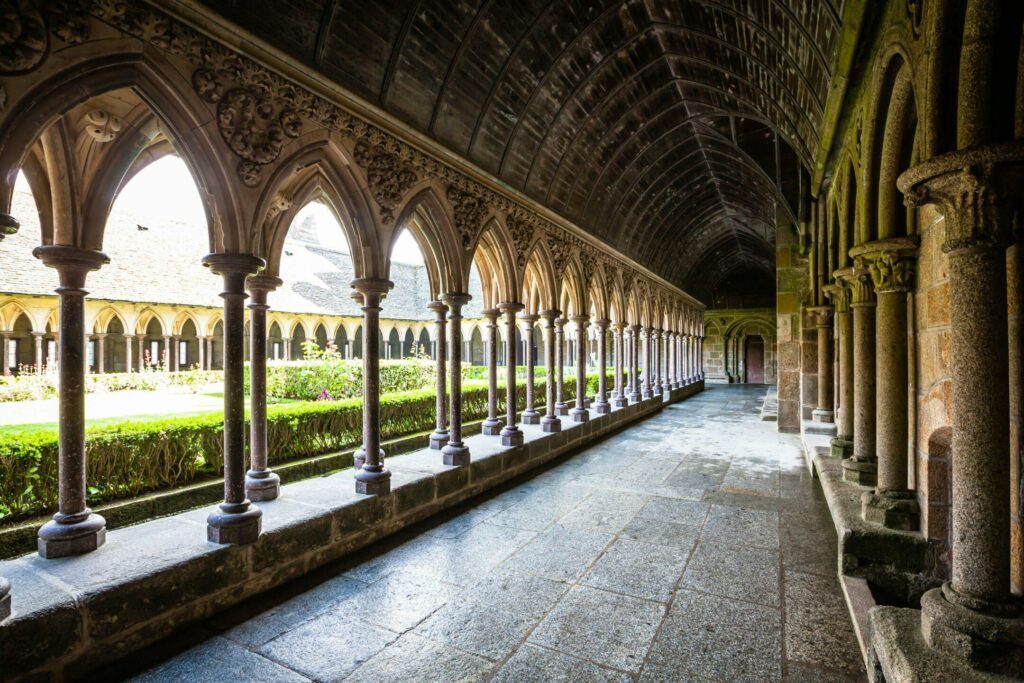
x,y
693,546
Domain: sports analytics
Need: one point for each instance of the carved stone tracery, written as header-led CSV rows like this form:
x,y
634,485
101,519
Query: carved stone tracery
x,y
469,211
388,176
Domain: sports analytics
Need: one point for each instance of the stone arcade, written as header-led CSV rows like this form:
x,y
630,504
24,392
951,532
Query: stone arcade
x,y
819,195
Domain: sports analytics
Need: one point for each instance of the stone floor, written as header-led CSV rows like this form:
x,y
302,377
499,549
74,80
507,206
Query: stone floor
x,y
692,547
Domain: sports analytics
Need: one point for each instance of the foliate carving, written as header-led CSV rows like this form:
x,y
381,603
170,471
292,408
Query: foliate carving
x,y
891,271
915,12
387,175
522,231
561,247
102,126
23,40
67,19
858,283
588,264
469,212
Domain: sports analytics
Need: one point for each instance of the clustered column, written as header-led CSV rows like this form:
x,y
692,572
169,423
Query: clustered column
x,y
74,529
619,399
973,616
236,520
511,435
492,425
530,415
892,270
372,478
455,452
440,436
261,483
601,405
580,412
550,421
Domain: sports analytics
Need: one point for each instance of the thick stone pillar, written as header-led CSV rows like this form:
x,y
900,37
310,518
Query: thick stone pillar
x,y
530,415
891,263
455,452
824,411
74,530
842,443
974,616
440,436
619,399
862,468
580,412
647,390
372,478
601,405
128,339
550,421
511,435
561,407
261,483
237,521
492,425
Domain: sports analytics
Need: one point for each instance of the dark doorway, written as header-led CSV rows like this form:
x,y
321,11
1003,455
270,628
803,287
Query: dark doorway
x,y
755,360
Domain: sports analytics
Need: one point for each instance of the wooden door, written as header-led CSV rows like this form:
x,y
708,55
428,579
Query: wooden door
x,y
755,360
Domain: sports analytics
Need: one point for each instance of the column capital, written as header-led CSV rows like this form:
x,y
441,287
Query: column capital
x,y
560,322
822,316
510,307
372,285
8,225
839,295
550,313
602,323
259,286
857,279
71,263
529,319
976,189
620,326
492,314
100,335
456,299
440,311
890,262
581,320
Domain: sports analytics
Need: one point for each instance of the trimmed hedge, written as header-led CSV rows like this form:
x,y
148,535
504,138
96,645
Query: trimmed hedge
x,y
31,386
133,458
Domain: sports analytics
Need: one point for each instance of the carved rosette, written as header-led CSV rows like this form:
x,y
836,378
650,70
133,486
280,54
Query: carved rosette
x,y
387,175
23,36
469,211
976,190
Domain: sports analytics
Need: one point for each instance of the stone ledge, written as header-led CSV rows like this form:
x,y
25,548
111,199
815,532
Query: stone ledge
x,y
899,653
899,566
815,443
73,615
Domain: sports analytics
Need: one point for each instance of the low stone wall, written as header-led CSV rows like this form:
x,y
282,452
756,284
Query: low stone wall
x,y
73,615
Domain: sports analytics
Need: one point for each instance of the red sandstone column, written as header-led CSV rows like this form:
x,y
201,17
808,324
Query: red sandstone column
x,y
261,483
440,436
237,521
74,530
455,452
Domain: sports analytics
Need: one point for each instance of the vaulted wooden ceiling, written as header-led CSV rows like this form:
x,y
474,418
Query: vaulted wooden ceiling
x,y
674,130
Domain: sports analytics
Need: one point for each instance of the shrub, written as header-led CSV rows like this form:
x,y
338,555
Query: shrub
x,y
30,386
132,458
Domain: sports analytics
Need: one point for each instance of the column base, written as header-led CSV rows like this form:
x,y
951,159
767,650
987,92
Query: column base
x,y
620,402
438,439
561,408
491,427
234,524
842,447
891,509
822,415
373,483
456,454
5,599
863,472
602,407
531,417
359,458
633,398
580,415
992,641
646,394
70,535
511,437
262,485
550,425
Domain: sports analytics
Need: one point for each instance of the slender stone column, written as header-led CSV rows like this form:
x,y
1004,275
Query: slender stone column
x,y
201,346
8,226
4,339
372,478
619,399
842,443
166,360
862,468
648,388
580,412
601,405
550,421
455,452
891,263
511,435
440,436
261,483
974,616
141,340
634,364
674,373
74,530
561,407
492,425
39,351
237,521
128,339
823,322
530,415
101,361
654,342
